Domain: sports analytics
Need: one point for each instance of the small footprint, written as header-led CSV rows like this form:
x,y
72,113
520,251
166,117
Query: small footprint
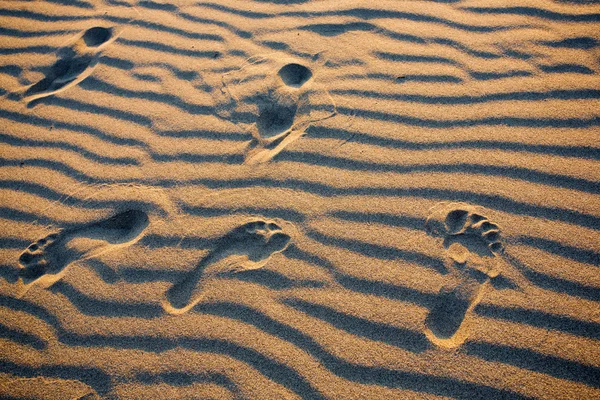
x,y
46,261
274,100
472,244
247,247
75,63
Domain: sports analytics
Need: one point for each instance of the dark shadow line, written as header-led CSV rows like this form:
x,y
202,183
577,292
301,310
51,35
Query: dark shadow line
x,y
406,339
566,69
20,337
553,283
176,378
33,34
231,28
580,42
35,16
47,122
231,159
158,6
489,76
207,134
524,174
11,69
535,12
563,94
541,320
389,291
560,285
378,251
73,3
486,121
438,78
164,48
59,167
405,58
274,280
365,138
551,246
177,31
534,361
115,62
7,243
461,47
41,49
93,377
67,200
394,220
46,144
277,212
155,241
94,84
104,308
23,216
76,105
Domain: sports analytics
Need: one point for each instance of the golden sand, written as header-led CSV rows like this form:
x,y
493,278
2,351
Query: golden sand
x,y
299,199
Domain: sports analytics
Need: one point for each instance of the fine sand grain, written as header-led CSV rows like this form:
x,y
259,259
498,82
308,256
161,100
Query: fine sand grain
x,y
299,199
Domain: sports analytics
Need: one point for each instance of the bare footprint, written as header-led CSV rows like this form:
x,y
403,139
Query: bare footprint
x,y
47,260
75,63
472,245
274,100
247,247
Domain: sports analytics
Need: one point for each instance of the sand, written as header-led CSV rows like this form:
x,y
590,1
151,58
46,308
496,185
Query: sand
x,y
294,199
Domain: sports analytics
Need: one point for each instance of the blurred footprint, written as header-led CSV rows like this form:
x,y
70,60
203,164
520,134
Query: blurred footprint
x,y
47,260
75,63
246,247
275,100
472,244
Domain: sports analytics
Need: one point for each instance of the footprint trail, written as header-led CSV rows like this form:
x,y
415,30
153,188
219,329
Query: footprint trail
x,y
246,247
47,260
472,245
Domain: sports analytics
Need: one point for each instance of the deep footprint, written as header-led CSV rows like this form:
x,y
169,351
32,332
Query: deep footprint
x,y
75,63
250,245
45,261
472,243
273,100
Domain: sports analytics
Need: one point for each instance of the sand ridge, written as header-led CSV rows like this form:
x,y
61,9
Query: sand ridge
x,y
299,199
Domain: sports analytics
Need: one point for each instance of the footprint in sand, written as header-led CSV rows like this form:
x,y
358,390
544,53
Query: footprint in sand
x,y
247,247
472,245
45,261
75,63
275,100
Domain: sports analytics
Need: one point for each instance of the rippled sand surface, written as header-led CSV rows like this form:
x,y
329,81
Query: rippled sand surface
x,y
299,199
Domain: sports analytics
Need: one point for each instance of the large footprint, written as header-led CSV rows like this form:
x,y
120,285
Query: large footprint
x,y
45,261
472,244
75,63
274,99
245,248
